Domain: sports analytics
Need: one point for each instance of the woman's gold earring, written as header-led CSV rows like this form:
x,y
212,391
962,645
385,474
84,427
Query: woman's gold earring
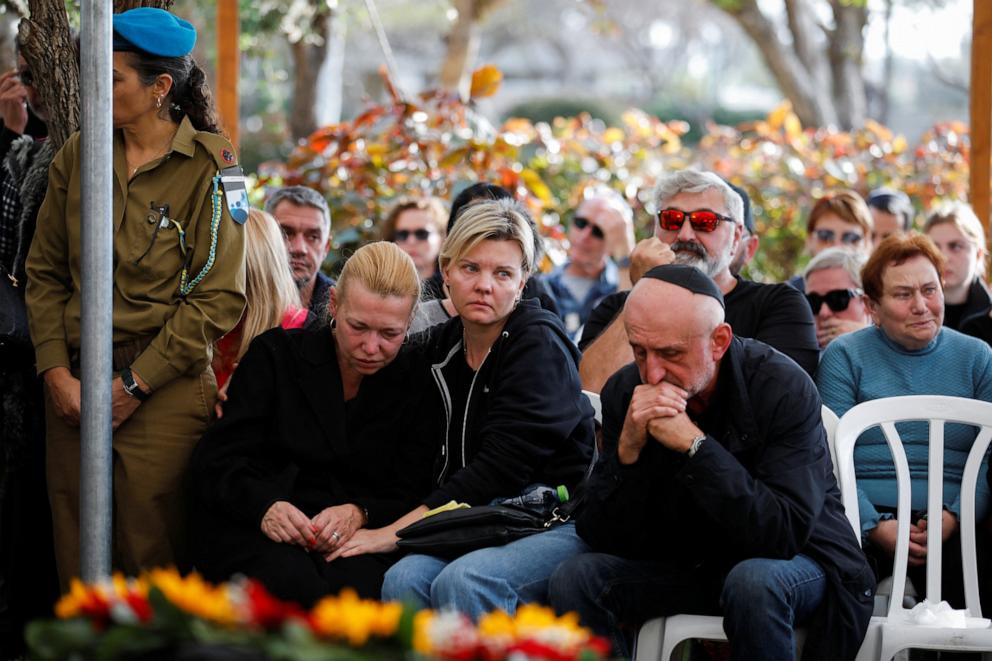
x,y
158,102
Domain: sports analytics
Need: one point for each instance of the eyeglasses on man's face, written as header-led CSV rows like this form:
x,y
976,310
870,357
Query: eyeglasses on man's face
x,y
581,223
701,220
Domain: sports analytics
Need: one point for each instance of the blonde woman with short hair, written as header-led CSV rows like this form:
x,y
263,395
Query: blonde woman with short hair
x,y
309,449
513,420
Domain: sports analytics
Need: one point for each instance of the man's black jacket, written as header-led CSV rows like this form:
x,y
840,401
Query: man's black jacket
x,y
760,485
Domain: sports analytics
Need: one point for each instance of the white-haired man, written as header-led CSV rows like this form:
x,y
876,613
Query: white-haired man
x,y
700,223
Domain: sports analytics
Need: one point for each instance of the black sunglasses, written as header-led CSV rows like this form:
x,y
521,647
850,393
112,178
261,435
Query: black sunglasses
x,y
847,238
701,220
836,299
27,78
582,223
399,236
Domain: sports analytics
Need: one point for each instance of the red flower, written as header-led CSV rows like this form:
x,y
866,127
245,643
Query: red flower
x,y
266,611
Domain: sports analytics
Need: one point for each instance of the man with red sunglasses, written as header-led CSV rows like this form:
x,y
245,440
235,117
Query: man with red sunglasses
x,y
600,238
699,222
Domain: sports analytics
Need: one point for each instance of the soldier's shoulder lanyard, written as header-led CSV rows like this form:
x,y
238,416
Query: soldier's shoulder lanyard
x,y
217,207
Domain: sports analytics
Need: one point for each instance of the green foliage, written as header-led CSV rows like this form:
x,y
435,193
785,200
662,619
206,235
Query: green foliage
x,y
545,110
434,145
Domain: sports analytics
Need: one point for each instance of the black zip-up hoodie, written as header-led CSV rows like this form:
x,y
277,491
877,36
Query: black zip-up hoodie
x,y
527,420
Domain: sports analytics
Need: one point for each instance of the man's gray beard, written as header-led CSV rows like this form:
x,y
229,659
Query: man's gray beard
x,y
301,282
706,264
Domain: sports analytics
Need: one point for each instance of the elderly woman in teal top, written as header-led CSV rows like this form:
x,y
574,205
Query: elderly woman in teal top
x,y
907,352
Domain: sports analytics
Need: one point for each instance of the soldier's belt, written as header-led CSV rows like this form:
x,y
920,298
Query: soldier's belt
x,y
124,353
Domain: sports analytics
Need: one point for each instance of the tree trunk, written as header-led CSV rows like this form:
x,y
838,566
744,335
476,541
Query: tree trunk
x,y
811,103
846,55
49,51
309,53
888,68
463,45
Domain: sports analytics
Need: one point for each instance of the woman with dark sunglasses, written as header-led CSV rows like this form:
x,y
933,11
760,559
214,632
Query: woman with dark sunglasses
x,y
417,226
833,290
838,220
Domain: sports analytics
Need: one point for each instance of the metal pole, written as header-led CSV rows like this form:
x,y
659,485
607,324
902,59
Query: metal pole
x,y
95,486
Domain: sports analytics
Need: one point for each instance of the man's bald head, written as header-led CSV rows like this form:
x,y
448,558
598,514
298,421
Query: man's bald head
x,y
677,336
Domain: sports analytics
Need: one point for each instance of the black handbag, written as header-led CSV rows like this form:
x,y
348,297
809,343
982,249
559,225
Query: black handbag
x,y
14,336
456,532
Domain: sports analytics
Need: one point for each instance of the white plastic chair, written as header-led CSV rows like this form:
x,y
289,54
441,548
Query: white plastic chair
x,y
597,404
896,632
658,638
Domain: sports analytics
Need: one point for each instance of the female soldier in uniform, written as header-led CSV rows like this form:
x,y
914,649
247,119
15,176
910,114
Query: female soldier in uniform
x,y
178,286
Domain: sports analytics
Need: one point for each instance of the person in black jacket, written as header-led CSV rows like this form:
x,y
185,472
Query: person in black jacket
x,y
715,492
513,416
308,451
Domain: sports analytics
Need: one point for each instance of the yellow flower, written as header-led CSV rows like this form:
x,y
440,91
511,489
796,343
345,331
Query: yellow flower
x,y
353,619
195,596
422,631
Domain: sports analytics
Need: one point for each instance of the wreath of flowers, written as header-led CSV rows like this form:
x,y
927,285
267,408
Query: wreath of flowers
x,y
162,613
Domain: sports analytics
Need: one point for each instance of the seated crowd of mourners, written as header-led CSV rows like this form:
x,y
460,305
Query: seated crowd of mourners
x,y
272,422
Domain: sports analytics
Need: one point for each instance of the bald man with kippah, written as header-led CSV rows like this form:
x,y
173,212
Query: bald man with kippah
x,y
714,493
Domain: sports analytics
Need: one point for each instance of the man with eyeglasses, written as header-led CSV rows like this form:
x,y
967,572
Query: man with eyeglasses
x,y
601,238
833,289
838,220
699,223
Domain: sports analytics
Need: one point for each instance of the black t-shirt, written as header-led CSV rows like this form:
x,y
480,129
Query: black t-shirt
x,y
775,314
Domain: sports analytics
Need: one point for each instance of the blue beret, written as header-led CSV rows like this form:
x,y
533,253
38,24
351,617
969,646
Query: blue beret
x,y
153,31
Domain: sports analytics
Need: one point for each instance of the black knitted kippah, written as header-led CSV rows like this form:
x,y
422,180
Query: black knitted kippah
x,y
687,277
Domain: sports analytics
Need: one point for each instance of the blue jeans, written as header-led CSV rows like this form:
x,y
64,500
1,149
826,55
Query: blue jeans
x,y
481,581
761,600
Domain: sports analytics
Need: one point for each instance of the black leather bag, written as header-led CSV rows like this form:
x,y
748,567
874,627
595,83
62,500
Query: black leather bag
x,y
456,532
15,339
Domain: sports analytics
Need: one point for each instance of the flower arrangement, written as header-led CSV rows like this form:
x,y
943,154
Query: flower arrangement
x,y
163,615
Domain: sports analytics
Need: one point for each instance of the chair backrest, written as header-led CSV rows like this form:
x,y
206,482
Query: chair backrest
x,y
937,411
597,405
830,421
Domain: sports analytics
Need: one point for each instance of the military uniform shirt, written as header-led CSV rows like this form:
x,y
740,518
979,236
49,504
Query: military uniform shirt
x,y
148,260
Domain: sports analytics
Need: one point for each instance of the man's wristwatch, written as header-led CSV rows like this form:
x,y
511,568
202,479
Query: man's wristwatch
x,y
131,386
696,444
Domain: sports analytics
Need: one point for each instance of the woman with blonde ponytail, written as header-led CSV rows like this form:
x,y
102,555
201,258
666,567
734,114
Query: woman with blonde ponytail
x,y
309,451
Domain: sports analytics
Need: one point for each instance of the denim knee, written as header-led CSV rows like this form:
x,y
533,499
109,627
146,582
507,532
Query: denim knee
x,y
410,580
750,587
576,582
467,587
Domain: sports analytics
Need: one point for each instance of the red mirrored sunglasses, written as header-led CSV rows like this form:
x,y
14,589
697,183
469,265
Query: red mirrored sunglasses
x,y
701,220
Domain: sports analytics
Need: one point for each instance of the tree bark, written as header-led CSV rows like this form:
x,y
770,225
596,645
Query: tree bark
x,y
846,55
463,46
810,102
50,52
309,53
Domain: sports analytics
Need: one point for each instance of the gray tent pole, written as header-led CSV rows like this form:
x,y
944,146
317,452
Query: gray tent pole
x,y
96,346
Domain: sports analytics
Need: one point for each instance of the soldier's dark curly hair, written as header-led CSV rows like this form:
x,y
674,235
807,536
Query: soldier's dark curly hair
x,y
189,95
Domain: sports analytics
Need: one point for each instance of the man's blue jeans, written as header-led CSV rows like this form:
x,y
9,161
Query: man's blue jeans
x,y
484,580
761,600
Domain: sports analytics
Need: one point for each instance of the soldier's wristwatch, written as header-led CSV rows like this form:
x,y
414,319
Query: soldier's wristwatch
x,y
131,386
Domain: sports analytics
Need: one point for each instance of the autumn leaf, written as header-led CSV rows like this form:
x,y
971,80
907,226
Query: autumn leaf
x,y
485,81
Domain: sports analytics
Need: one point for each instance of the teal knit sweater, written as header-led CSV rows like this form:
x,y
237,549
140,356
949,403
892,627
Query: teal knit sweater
x,y
867,365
